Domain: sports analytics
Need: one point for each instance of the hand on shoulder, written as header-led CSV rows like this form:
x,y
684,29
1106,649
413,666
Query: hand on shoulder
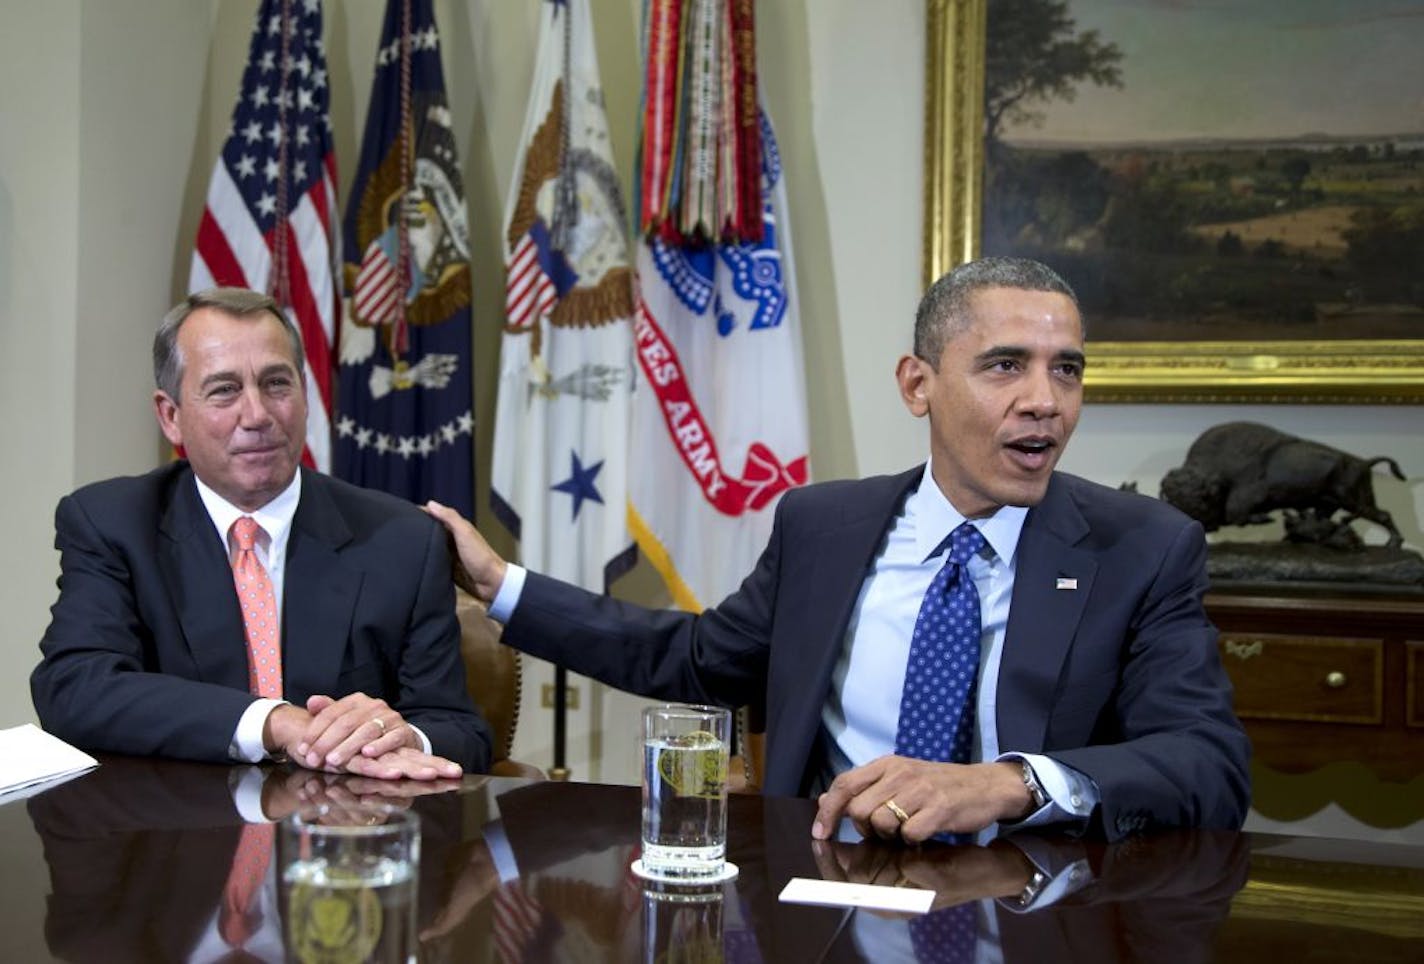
x,y
478,569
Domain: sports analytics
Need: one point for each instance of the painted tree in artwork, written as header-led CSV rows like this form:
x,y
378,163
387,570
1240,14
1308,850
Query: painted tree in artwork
x,y
1035,54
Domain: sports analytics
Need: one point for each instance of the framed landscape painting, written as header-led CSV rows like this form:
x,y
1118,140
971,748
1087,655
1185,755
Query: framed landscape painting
x,y
1234,189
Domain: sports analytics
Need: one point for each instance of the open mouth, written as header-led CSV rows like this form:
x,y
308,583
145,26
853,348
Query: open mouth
x,y
1032,452
1033,445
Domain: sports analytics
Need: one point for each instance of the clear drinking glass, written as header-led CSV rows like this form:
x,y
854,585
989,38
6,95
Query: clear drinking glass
x,y
685,793
348,884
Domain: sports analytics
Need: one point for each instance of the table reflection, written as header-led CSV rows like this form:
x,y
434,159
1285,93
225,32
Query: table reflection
x,y
139,853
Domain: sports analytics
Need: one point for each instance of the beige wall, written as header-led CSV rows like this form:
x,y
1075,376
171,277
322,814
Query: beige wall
x,y
111,115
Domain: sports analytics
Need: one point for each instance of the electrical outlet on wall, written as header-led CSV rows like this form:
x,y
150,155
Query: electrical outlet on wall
x,y
546,697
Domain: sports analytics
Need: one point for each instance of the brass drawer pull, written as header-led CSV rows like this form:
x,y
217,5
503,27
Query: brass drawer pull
x,y
1244,651
1335,679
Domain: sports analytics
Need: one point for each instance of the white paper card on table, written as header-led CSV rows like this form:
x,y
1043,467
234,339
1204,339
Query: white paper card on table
x,y
834,893
29,755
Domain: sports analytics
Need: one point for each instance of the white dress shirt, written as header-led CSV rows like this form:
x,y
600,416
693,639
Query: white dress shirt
x,y
275,519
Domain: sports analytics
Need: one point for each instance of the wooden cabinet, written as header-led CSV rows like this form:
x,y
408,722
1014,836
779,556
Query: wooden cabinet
x,y
1321,678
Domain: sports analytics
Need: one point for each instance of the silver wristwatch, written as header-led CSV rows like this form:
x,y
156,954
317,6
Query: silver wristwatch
x,y
1035,789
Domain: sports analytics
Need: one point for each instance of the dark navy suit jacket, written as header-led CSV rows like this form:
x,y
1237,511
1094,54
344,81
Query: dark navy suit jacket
x,y
145,651
1109,666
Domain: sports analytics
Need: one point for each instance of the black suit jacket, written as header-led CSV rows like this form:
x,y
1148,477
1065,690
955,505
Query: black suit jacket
x,y
145,651
1118,676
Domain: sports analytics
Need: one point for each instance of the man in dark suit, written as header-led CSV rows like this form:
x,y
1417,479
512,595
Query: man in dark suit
x,y
1097,700
358,667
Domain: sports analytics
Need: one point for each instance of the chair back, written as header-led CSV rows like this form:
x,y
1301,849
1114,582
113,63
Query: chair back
x,y
493,676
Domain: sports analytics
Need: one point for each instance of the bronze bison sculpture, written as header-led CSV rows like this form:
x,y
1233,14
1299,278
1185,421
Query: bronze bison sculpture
x,y
1240,472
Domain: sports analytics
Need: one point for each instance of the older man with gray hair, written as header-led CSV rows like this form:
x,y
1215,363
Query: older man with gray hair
x,y
236,606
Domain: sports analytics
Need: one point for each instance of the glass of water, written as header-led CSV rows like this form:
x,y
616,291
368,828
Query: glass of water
x,y
348,884
685,793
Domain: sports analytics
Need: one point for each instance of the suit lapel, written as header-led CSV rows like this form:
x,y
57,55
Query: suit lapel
x,y
319,593
1051,587
199,577
829,580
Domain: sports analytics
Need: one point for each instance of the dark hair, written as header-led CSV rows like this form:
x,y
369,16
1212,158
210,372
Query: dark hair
x,y
945,309
238,302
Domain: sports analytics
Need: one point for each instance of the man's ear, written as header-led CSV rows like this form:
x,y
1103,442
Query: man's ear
x,y
912,376
165,409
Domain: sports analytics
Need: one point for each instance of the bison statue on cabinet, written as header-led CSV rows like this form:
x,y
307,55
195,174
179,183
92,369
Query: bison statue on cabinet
x,y
1240,472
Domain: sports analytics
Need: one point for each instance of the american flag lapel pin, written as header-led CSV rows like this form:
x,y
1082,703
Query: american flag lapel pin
x,y
1065,582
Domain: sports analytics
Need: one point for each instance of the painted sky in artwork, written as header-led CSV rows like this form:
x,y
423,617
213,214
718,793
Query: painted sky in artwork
x,y
1248,69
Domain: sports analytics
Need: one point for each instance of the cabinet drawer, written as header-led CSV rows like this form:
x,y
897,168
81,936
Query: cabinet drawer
x,y
1329,679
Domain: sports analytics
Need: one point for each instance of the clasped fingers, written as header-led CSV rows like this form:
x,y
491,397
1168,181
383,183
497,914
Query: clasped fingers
x,y
355,724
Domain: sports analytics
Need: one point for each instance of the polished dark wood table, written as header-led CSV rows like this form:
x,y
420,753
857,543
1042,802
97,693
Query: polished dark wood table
x,y
128,863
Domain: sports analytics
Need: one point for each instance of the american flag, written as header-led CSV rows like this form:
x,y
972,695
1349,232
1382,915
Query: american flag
x,y
268,220
516,920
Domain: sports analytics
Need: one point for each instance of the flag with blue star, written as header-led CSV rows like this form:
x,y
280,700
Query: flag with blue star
x,y
559,477
580,484
404,418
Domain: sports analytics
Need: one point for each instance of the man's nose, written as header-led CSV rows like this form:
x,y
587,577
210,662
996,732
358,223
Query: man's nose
x,y
253,408
1041,396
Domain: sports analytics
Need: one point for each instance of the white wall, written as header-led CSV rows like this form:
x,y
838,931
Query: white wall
x,y
111,116
98,105
39,242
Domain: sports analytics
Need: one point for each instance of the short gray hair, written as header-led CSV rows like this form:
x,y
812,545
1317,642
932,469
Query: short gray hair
x,y
945,309
238,302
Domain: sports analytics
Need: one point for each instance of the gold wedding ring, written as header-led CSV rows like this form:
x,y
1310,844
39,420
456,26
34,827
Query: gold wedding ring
x,y
897,810
381,723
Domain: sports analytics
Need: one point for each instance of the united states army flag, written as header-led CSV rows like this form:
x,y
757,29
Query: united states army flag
x,y
719,420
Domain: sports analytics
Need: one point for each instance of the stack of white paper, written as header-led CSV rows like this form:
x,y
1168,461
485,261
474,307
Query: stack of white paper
x,y
29,757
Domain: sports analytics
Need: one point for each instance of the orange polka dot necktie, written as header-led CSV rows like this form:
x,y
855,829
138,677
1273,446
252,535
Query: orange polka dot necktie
x,y
259,613
240,915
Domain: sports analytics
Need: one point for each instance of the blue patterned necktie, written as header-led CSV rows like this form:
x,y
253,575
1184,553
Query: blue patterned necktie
x,y
945,936
942,675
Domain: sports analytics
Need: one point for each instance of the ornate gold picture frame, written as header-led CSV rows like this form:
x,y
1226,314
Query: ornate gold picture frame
x,y
1301,371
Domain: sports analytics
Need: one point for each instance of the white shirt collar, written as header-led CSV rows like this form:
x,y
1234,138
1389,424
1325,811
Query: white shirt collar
x,y
275,517
935,518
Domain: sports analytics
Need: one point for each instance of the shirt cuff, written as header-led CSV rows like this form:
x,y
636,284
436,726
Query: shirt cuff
x,y
246,792
1071,795
1055,877
424,740
246,742
501,853
509,592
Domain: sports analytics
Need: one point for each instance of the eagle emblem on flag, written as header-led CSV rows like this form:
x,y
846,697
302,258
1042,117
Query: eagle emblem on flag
x,y
438,240
568,244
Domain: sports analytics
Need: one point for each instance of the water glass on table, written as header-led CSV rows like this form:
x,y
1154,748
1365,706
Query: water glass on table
x,y
348,884
685,753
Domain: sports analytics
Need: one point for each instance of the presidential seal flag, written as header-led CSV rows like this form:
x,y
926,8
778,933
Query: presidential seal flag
x,y
404,418
561,429
719,417
269,219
